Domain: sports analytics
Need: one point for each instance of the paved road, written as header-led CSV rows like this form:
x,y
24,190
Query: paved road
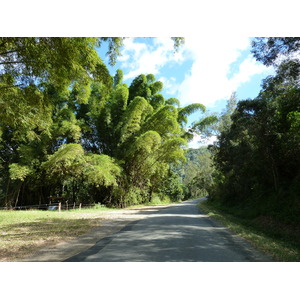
x,y
177,233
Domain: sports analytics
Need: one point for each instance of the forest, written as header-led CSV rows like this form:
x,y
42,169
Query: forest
x,y
257,157
69,129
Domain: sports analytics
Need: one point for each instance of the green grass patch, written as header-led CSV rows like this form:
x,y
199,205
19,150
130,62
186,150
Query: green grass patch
x,y
280,241
156,201
160,201
23,232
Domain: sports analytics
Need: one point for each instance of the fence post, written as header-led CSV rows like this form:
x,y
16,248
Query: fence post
x,y
79,205
59,206
74,205
67,205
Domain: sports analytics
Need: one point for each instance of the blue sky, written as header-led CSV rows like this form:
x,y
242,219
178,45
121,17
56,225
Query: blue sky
x,y
204,70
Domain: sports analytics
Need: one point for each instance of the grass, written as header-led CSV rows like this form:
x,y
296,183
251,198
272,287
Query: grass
x,y
23,232
160,202
155,202
280,241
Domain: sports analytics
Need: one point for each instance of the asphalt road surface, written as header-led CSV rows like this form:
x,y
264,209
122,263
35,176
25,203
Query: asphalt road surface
x,y
178,233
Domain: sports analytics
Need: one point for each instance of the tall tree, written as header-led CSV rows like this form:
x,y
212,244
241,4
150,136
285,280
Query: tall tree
x,y
269,49
257,157
139,128
64,117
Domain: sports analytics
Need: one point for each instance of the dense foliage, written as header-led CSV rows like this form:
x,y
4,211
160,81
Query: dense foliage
x,y
196,172
257,157
68,129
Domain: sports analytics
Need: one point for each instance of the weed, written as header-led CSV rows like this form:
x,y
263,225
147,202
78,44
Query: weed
x,y
23,232
275,238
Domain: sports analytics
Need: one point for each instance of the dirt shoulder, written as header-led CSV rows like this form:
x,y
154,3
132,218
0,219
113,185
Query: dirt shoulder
x,y
110,222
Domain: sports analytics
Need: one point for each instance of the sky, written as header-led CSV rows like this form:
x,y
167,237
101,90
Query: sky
x,y
205,70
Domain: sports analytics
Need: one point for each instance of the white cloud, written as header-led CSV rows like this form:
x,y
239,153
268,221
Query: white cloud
x,y
247,68
208,80
140,58
197,141
171,86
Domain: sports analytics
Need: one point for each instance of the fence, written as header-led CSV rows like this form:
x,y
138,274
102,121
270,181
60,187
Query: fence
x,y
64,205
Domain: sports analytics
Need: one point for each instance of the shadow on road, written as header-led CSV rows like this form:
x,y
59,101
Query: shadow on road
x,y
176,233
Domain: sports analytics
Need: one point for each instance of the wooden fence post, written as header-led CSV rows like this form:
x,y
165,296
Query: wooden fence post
x,y
59,206
79,205
74,205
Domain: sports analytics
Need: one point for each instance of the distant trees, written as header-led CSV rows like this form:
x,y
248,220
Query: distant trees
x,y
196,172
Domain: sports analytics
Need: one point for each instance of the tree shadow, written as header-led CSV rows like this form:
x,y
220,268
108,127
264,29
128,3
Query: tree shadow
x,y
173,234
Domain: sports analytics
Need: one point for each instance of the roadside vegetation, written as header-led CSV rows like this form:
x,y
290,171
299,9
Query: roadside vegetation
x,y
279,241
69,129
254,174
24,232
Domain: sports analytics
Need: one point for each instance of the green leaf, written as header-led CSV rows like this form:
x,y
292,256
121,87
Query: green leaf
x,y
18,172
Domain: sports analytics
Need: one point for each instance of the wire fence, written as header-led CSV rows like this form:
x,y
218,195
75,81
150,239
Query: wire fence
x,y
64,205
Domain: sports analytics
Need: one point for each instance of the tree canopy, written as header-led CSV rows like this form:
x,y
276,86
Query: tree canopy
x,y
257,157
70,129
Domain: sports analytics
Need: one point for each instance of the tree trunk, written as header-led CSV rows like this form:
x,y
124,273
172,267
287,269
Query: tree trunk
x,y
18,193
6,196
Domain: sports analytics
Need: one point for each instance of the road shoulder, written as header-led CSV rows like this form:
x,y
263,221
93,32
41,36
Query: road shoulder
x,y
112,223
